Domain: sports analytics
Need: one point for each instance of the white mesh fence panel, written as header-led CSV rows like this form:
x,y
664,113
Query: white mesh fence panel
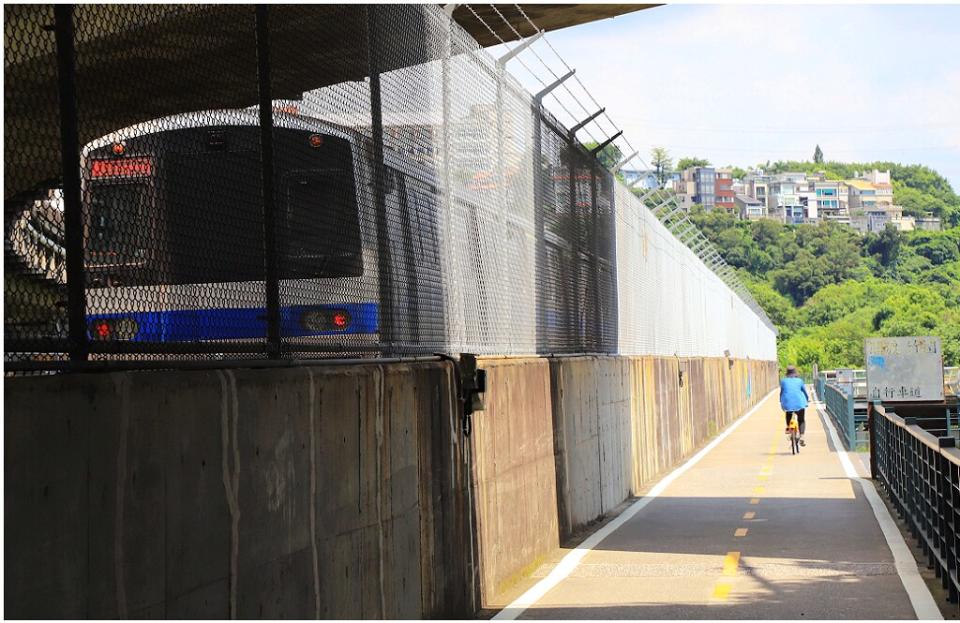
x,y
424,202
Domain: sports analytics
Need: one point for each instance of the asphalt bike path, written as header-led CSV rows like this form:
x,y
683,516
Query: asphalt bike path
x,y
748,531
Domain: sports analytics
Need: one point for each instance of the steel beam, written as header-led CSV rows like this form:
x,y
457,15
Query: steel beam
x,y
596,150
623,162
70,171
550,87
526,43
573,131
270,247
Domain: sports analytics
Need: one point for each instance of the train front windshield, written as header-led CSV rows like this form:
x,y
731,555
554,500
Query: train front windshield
x,y
319,234
195,213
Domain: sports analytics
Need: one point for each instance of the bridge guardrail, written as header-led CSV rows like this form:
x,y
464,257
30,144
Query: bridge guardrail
x,y
921,475
841,408
951,381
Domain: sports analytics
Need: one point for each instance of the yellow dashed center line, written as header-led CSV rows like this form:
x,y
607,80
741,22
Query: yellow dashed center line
x,y
721,591
730,563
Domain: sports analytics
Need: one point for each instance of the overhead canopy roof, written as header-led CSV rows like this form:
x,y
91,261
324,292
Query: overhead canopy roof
x,y
546,16
141,62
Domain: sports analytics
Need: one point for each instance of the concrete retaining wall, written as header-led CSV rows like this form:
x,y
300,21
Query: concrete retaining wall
x,y
514,472
620,422
296,493
617,423
338,492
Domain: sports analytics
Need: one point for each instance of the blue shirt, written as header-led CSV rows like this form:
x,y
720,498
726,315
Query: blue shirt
x,y
793,394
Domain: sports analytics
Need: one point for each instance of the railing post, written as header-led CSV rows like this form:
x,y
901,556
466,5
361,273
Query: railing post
x,y
871,439
949,528
79,345
910,477
945,539
851,423
272,260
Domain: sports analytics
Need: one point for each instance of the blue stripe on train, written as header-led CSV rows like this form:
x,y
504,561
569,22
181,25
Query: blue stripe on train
x,y
236,324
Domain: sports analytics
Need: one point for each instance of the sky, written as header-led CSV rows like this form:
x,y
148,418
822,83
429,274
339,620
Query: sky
x,y
743,84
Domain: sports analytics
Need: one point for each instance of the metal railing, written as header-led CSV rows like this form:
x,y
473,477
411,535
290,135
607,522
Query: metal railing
x,y
951,381
841,408
921,474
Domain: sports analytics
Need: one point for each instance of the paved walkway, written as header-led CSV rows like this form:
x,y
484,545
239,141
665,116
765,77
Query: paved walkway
x,y
750,531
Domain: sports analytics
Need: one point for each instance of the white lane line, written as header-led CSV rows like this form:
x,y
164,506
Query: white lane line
x,y
920,598
571,560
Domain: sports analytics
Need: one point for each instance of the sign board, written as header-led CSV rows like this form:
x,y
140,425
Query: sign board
x,y
845,380
845,375
904,369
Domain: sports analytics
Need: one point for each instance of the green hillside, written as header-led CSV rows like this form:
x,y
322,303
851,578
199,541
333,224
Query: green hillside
x,y
827,288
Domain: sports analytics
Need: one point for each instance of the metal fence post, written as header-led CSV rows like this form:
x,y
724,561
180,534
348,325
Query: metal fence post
x,y
272,281
385,279
70,169
595,258
539,220
575,269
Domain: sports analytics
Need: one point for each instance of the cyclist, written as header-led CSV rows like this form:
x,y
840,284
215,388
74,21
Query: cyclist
x,y
794,399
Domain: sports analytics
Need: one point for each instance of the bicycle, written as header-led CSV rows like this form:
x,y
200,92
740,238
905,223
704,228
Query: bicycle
x,y
794,431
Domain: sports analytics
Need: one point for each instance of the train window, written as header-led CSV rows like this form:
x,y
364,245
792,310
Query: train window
x,y
319,231
117,224
422,202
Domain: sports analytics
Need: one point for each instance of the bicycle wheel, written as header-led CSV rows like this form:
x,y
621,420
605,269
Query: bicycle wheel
x,y
794,443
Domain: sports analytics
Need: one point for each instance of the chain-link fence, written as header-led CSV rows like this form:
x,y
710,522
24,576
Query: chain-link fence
x,y
197,182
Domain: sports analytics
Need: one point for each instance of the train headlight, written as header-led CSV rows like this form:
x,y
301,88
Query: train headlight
x,y
341,319
101,330
125,328
323,320
106,329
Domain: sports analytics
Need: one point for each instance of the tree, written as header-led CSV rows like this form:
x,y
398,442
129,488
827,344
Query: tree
x,y
818,155
686,163
938,247
662,163
608,157
886,245
737,172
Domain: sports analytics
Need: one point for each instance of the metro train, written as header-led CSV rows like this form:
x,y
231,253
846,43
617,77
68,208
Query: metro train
x,y
175,235
174,246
